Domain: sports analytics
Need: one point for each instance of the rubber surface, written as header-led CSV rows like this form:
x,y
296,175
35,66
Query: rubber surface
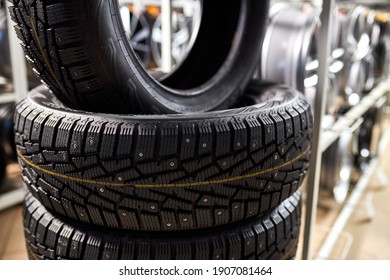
x,y
5,57
3,164
369,135
7,137
274,236
7,143
90,64
165,172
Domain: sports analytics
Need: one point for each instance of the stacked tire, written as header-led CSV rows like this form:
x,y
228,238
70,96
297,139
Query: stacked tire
x,y
213,173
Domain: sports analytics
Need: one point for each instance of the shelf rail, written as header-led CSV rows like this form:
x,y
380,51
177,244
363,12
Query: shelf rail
x,y
319,103
331,135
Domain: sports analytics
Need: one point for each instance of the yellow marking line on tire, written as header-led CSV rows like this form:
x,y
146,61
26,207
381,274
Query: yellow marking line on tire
x,y
45,58
171,185
31,252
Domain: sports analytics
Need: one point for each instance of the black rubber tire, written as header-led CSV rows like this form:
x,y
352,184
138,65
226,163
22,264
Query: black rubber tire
x,y
7,143
273,236
90,65
380,52
5,57
3,164
164,172
7,136
369,135
365,138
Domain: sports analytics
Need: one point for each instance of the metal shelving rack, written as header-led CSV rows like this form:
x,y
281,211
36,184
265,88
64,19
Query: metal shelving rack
x,y
15,193
322,139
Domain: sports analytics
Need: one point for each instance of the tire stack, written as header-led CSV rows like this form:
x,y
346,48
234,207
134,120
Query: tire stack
x,y
200,164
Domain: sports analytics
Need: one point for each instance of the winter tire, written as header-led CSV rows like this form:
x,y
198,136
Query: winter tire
x,y
5,57
7,137
164,172
7,143
90,64
273,236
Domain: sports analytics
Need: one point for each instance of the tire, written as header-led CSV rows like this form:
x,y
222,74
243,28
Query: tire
x,y
3,165
141,38
5,57
7,143
7,136
164,172
369,135
89,64
274,236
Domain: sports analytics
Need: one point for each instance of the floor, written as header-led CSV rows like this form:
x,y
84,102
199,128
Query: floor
x,y
12,246
362,239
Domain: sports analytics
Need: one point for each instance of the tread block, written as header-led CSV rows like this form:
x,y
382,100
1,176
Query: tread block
x,y
272,236
163,173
